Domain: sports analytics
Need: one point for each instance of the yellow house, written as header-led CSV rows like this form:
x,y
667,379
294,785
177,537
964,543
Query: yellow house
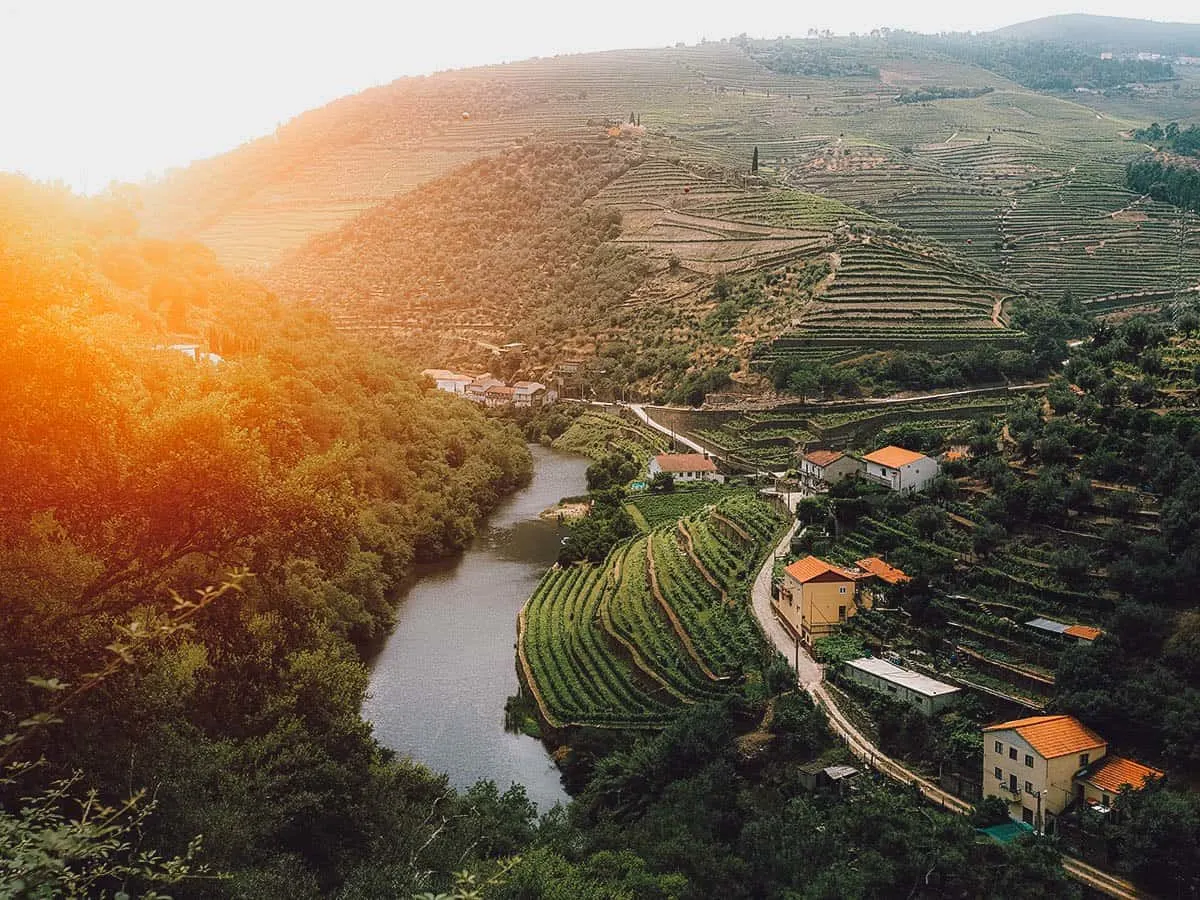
x,y
1031,764
817,597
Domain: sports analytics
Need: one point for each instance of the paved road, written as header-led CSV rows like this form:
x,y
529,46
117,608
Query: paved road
x,y
810,679
760,593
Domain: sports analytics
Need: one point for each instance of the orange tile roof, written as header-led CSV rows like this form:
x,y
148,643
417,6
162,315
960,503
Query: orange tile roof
x,y
805,570
882,570
1111,772
1087,632
685,462
893,457
1053,736
824,458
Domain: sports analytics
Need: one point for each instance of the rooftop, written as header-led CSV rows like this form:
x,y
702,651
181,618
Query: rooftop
x,y
1047,625
914,681
882,571
809,568
1111,773
445,375
824,458
894,457
528,387
1084,632
685,462
1052,736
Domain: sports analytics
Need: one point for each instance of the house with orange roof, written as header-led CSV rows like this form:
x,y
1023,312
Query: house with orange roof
x,y
685,467
903,471
1104,780
819,467
876,568
1040,765
1031,764
817,597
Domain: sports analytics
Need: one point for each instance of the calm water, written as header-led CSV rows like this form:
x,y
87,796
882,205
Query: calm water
x,y
438,686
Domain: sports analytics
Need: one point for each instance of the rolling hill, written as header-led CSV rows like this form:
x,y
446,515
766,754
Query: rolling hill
x,y
1108,32
602,206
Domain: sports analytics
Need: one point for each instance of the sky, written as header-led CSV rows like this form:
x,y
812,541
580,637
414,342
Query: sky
x,y
93,91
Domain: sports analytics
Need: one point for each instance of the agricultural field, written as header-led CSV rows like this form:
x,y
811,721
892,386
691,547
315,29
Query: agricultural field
x,y
663,621
931,220
596,434
771,438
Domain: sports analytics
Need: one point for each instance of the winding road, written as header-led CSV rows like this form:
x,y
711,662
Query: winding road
x,y
809,677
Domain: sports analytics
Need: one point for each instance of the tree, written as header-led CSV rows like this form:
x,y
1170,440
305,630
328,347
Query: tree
x,y
754,161
662,483
928,521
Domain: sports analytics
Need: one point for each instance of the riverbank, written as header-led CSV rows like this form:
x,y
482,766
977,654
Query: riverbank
x,y
441,680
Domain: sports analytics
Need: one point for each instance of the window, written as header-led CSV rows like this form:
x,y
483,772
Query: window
x,y
1012,752
1106,800
1029,760
1029,787
1027,816
841,590
999,774
842,613
1084,758
999,747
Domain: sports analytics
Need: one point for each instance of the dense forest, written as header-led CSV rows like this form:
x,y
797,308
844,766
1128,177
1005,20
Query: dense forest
x,y
509,242
1183,141
1173,181
132,478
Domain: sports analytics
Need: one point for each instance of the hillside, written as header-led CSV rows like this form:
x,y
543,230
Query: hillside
x,y
901,179
1111,33
671,277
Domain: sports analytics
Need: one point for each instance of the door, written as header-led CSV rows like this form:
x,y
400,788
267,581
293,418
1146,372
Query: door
x,y
1012,783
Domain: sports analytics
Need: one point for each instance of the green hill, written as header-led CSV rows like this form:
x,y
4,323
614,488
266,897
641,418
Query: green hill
x,y
1109,32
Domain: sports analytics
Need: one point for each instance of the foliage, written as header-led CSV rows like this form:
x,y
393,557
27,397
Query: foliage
x,y
324,467
1175,182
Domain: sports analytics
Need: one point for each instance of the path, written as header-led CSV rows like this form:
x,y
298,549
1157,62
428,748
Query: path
x,y
809,675
777,634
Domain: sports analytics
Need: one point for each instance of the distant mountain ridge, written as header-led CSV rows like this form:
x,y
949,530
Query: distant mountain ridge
x,y
1113,33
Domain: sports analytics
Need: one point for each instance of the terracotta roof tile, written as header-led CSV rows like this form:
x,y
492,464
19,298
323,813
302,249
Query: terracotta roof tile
x,y
1110,773
824,458
805,570
1053,736
1086,632
685,462
882,570
893,457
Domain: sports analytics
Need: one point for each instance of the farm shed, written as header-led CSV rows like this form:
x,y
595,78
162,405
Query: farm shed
x,y
919,691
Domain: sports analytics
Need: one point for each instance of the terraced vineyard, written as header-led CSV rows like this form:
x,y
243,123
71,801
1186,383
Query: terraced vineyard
x,y
661,623
771,438
595,433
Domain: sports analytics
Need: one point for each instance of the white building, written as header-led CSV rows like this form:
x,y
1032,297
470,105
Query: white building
x,y
529,393
685,467
928,695
901,470
827,466
450,382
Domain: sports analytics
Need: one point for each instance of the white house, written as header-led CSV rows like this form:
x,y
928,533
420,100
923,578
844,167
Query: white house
x,y
685,467
529,393
928,695
480,386
827,466
450,382
901,470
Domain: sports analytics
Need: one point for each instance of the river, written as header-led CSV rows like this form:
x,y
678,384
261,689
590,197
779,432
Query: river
x,y
439,684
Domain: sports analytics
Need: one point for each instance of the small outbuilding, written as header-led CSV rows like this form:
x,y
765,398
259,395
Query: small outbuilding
x,y
928,695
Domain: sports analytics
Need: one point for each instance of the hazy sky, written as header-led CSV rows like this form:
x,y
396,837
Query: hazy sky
x,y
95,90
